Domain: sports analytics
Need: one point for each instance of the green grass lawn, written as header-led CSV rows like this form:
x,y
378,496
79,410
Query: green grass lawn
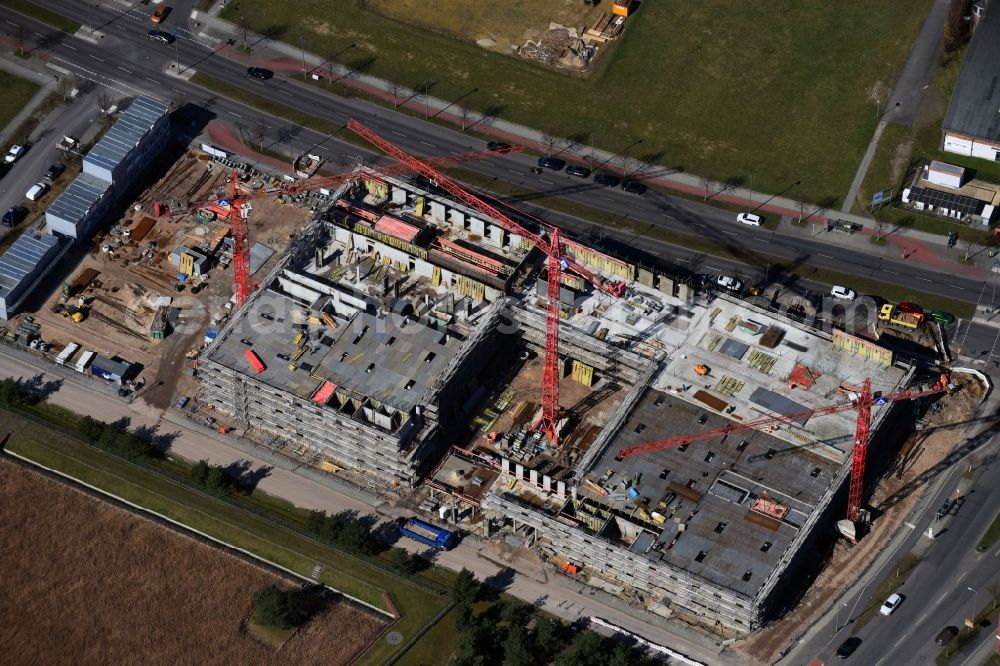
x,y
16,94
991,536
264,536
698,84
44,15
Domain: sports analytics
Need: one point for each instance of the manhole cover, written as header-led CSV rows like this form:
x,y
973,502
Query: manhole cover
x,y
394,638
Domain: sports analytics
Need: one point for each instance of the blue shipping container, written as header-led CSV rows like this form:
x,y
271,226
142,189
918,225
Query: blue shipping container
x,y
438,537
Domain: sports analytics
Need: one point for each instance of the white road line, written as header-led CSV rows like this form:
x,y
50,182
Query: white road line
x,y
923,278
547,182
424,143
13,24
997,554
922,617
941,598
96,58
824,255
39,34
151,80
398,133
964,574
71,48
514,171
124,70
235,114
730,233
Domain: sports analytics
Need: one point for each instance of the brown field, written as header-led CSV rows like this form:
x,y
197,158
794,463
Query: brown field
x,y
85,582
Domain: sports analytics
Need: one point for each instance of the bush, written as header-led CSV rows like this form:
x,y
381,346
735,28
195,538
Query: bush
x,y
279,608
213,478
343,530
122,443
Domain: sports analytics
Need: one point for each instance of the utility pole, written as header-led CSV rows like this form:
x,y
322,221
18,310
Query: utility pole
x,y
177,56
302,46
427,102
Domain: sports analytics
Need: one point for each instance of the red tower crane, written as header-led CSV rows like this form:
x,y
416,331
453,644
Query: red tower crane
x,y
236,197
556,264
862,402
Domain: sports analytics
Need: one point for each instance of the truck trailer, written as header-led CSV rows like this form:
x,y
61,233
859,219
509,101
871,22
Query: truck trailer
x,y
437,537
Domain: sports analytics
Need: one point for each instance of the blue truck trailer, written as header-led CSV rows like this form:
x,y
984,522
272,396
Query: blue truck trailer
x,y
438,537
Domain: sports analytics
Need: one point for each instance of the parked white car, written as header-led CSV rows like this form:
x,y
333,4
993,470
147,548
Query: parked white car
x,y
36,192
890,604
730,283
751,219
14,153
843,293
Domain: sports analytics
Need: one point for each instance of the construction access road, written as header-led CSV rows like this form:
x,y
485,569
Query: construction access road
x,y
123,59
284,478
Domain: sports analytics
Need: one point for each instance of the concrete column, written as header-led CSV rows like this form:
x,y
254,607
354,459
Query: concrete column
x,y
519,471
437,211
505,465
398,195
547,483
561,488
533,476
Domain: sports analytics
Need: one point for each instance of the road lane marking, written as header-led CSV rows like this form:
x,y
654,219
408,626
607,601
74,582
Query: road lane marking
x,y
96,58
964,574
13,24
151,80
514,171
941,598
398,133
731,233
124,70
233,113
424,143
547,182
922,617
923,278
71,48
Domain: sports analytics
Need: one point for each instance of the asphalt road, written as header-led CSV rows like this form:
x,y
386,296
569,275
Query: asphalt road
x,y
937,593
73,119
556,594
128,63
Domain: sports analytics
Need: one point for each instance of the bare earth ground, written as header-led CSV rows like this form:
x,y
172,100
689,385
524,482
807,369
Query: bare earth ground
x,y
926,449
508,23
85,582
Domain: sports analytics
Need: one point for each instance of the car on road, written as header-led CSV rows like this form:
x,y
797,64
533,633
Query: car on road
x,y
553,163
912,308
259,73
54,171
633,187
890,604
843,293
578,171
159,14
606,179
728,282
14,216
946,635
36,191
751,219
848,647
14,153
498,146
161,36
944,318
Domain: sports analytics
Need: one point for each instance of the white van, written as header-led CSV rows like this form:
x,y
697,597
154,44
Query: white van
x,y
37,191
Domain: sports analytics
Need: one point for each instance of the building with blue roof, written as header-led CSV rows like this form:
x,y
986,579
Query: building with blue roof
x,y
24,265
110,168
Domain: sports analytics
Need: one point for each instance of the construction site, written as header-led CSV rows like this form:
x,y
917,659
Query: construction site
x,y
686,451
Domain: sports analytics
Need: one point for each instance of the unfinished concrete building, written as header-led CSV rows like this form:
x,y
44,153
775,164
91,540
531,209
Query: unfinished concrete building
x,y
711,532
365,344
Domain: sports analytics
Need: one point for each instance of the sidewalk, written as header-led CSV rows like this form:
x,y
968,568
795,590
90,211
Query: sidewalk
x,y
874,572
926,249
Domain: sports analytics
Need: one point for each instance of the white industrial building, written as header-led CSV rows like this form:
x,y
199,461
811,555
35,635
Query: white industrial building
x,y
24,265
110,168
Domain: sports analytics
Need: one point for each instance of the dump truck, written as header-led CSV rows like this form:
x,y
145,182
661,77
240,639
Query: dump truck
x,y
305,165
425,533
893,315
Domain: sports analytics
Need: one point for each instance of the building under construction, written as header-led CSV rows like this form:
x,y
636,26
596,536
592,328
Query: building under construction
x,y
401,323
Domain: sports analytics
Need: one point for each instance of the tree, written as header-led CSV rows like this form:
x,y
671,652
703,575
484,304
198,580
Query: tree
x,y
549,141
10,392
971,247
517,649
956,27
402,562
279,608
104,102
550,637
471,645
588,649
199,472
466,115
466,588
91,429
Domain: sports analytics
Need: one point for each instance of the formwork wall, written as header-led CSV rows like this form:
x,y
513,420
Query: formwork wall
x,y
658,582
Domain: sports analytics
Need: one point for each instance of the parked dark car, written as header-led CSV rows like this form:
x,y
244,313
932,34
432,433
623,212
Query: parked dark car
x,y
578,171
54,171
161,36
259,73
633,187
498,146
553,163
947,635
848,647
14,216
607,180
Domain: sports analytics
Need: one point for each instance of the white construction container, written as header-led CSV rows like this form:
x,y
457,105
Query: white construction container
x,y
67,353
85,361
